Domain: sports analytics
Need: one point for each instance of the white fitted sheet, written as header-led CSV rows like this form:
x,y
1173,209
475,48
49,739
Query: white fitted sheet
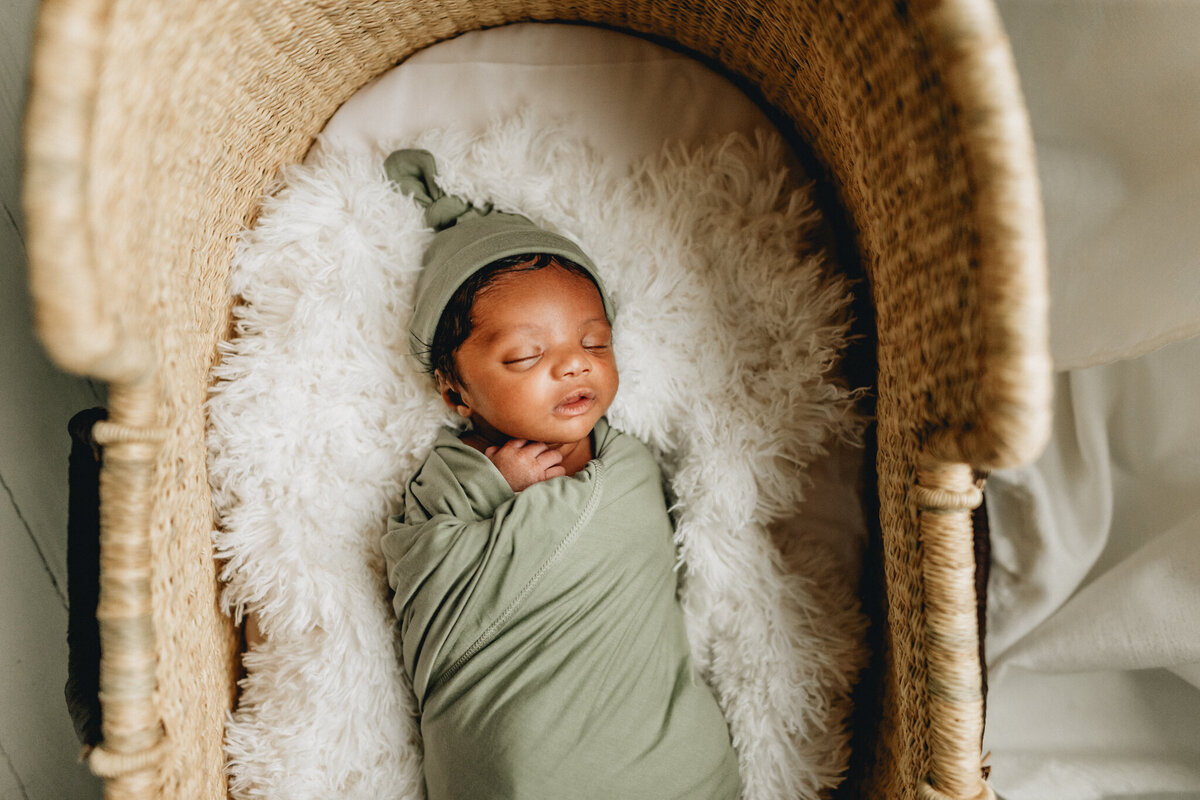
x,y
627,95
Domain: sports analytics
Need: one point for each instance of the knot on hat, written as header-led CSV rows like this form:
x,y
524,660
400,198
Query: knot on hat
x,y
414,172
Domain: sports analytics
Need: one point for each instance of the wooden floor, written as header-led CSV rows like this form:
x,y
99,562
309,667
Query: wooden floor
x,y
38,749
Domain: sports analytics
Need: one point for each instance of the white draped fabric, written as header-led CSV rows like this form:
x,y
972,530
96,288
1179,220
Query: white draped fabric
x,y
1094,599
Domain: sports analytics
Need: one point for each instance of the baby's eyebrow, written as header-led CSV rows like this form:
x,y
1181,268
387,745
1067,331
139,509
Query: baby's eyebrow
x,y
492,336
524,326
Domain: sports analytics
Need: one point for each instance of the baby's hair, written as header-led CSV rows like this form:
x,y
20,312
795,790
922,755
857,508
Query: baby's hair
x,y
455,325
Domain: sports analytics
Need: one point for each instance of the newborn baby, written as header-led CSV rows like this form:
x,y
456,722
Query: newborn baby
x,y
532,563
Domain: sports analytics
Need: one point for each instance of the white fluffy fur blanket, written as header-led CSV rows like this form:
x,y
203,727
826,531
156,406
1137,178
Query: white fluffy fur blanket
x,y
727,333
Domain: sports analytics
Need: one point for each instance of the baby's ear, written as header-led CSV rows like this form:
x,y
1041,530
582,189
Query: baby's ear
x,y
451,394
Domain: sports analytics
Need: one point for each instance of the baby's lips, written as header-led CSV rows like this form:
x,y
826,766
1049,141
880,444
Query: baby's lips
x,y
576,398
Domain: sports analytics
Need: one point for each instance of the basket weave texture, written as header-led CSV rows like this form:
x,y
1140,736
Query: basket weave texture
x,y
154,127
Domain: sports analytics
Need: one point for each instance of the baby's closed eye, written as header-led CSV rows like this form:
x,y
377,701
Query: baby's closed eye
x,y
522,359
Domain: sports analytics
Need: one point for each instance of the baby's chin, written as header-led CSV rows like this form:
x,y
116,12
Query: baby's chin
x,y
558,438
559,432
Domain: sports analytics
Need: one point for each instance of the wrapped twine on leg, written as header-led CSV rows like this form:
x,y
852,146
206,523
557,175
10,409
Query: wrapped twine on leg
x,y
946,494
133,735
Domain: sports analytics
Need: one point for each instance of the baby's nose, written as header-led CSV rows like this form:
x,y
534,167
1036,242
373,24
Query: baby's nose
x,y
571,363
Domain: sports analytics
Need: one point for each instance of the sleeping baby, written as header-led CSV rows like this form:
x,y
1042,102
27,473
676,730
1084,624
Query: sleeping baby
x,y
532,563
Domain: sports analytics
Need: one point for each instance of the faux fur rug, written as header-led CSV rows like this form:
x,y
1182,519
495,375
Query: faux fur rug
x,y
727,334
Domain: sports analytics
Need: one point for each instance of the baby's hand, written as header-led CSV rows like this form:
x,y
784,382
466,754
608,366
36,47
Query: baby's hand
x,y
524,463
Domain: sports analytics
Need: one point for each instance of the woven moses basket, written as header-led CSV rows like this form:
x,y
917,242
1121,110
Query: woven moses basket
x,y
155,126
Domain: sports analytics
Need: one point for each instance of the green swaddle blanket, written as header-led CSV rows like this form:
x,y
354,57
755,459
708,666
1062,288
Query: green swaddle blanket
x,y
543,636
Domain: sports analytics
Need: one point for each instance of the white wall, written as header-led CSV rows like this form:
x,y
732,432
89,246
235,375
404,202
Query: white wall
x,y
38,748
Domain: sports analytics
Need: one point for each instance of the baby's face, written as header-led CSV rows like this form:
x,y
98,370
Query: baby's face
x,y
538,363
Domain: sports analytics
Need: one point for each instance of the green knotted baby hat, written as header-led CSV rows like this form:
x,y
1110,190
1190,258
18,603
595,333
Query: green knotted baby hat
x,y
467,239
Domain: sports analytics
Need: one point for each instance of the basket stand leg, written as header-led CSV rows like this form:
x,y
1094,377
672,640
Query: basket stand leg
x,y
946,494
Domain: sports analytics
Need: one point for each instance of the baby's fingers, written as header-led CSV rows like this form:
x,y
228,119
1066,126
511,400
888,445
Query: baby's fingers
x,y
549,457
510,448
555,472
